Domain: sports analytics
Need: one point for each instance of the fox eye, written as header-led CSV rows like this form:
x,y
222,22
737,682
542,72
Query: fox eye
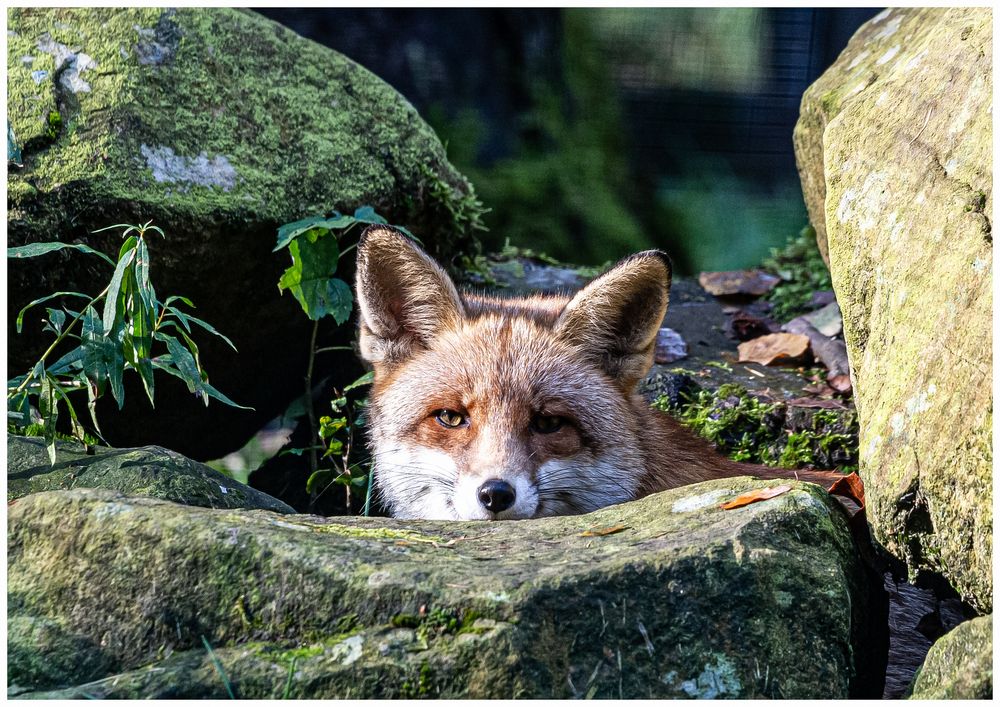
x,y
451,419
547,424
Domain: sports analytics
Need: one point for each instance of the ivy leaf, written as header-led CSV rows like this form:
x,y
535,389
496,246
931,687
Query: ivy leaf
x,y
366,214
290,231
311,279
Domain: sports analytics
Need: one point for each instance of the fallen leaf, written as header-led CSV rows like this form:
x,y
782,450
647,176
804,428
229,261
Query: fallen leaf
x,y
744,325
738,282
775,349
826,404
599,532
850,486
745,499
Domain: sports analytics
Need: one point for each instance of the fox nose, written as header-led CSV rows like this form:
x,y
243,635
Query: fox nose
x,y
496,495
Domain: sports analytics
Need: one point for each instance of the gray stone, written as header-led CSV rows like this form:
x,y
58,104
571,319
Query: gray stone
x,y
959,666
669,596
147,471
894,146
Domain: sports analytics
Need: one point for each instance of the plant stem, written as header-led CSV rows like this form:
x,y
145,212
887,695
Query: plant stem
x,y
313,431
52,347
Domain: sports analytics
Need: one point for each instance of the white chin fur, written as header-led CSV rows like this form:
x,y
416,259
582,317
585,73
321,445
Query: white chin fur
x,y
417,482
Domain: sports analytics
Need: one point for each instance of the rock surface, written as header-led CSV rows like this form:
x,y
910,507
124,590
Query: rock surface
x,y
960,665
894,150
148,471
219,125
669,596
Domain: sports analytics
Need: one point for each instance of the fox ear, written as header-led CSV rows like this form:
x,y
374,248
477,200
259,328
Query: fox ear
x,y
614,319
405,298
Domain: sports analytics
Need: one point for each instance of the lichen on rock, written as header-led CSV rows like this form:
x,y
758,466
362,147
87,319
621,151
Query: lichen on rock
x,y
894,150
769,600
219,126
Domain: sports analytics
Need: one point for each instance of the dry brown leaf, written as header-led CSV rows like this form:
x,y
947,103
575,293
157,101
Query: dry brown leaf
x,y
738,282
850,486
826,403
775,349
745,499
599,532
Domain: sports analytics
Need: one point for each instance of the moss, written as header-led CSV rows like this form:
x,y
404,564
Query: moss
x,y
574,599
205,93
749,429
149,471
802,271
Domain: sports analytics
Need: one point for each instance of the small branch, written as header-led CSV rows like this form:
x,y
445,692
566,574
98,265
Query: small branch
x,y
313,431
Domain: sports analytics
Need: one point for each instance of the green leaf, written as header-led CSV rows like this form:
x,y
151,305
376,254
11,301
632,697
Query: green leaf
x,y
366,379
366,214
48,409
311,279
128,226
210,329
185,365
57,319
290,231
35,249
46,298
73,359
75,426
221,397
145,289
114,304
317,478
19,408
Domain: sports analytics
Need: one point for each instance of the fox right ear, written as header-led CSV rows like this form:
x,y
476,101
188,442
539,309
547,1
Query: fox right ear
x,y
405,298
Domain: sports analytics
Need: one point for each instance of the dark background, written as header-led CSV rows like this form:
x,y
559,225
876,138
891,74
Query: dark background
x,y
591,133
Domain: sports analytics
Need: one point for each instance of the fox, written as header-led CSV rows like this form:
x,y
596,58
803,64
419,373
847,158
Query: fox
x,y
514,407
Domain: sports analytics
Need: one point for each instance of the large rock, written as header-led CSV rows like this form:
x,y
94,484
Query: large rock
x,y
148,471
894,149
665,597
219,125
960,665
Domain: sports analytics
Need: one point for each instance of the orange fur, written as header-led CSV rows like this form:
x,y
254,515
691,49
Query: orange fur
x,y
502,364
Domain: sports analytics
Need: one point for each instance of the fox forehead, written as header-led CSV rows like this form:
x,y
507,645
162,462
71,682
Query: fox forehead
x,y
501,364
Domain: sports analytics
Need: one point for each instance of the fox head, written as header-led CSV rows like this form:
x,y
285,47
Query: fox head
x,y
503,408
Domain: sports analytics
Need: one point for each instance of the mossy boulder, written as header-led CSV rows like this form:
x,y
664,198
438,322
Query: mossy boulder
x,y
147,471
669,596
894,148
959,666
219,125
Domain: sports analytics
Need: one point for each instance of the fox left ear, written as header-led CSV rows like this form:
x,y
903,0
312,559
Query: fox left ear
x,y
615,318
405,298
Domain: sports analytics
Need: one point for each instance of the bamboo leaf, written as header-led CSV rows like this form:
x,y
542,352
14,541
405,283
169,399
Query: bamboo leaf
x,y
114,304
46,298
211,329
47,408
33,250
221,397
